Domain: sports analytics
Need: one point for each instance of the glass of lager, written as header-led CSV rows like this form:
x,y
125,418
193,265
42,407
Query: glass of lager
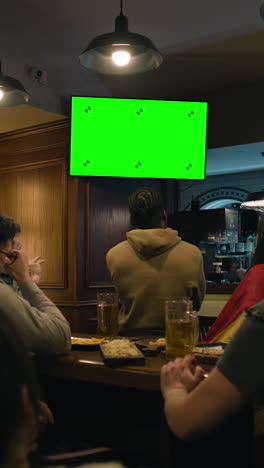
x,y
180,327
107,315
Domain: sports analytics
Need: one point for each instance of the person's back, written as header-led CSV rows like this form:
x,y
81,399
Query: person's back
x,y
152,265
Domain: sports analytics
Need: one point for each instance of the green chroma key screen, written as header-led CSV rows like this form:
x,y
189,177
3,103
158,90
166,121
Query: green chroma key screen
x,y
138,138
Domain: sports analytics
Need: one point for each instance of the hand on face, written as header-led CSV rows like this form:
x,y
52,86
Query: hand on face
x,y
35,268
178,373
16,243
19,270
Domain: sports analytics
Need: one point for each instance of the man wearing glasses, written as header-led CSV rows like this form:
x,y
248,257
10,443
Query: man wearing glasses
x,y
43,326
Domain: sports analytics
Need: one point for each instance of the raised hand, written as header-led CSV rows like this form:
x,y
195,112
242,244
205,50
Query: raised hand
x,y
35,268
19,270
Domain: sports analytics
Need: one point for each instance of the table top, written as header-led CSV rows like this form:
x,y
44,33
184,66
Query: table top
x,y
88,365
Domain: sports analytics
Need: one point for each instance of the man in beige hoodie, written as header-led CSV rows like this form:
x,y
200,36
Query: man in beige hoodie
x,y
152,265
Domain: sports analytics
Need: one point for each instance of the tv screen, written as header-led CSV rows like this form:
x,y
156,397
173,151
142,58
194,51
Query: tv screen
x,y
137,138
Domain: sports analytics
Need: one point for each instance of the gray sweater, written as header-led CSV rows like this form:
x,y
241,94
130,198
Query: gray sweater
x,y
242,361
40,323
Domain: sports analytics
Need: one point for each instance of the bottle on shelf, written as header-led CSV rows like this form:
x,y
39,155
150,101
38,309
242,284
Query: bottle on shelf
x,y
232,248
223,249
249,244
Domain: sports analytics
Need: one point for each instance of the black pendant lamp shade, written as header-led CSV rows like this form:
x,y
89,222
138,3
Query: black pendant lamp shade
x,y
121,52
12,93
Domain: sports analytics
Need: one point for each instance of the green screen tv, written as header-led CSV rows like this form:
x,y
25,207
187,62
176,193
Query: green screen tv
x,y
117,137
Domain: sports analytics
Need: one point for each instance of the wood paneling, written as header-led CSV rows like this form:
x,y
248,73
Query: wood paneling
x,y
32,198
70,221
108,222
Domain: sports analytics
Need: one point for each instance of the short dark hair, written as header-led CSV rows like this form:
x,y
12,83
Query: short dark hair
x,y
8,228
146,208
16,370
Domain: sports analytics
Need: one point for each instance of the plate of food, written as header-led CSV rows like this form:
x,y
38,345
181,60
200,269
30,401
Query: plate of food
x,y
88,343
151,346
121,352
208,354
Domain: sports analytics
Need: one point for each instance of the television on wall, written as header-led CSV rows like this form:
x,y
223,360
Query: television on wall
x,y
118,137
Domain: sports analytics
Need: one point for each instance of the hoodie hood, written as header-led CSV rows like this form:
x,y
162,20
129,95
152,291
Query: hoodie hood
x,y
151,242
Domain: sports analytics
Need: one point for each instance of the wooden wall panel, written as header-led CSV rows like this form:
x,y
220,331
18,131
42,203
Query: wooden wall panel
x,y
71,221
108,222
36,199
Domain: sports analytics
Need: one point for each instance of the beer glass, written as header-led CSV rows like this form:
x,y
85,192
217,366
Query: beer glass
x,y
181,328
196,327
107,315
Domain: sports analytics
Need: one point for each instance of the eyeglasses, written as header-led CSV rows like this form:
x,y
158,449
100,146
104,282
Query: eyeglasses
x,y
12,257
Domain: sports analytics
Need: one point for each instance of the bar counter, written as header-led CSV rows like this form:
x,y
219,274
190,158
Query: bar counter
x,y
89,366
123,408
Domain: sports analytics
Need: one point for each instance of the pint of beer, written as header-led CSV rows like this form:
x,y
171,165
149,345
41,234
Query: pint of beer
x,y
107,315
181,328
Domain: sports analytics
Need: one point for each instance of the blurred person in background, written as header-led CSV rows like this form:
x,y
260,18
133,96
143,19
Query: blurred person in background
x,y
248,292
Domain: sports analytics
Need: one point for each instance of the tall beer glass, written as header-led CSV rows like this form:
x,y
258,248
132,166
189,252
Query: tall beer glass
x,y
180,328
107,315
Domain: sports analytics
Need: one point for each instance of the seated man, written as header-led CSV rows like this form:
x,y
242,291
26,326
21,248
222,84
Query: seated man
x,y
35,265
41,324
22,413
152,265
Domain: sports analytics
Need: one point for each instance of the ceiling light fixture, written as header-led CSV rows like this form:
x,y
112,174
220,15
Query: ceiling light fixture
x,y
12,93
121,52
255,201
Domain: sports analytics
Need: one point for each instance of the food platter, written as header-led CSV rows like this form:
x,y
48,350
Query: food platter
x,y
86,343
208,354
121,352
151,346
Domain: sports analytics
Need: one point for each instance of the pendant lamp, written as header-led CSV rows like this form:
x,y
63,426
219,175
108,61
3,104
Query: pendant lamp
x,y
12,93
121,52
255,201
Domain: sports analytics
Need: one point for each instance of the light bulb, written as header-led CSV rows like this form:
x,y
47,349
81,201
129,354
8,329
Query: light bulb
x,y
1,94
121,58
